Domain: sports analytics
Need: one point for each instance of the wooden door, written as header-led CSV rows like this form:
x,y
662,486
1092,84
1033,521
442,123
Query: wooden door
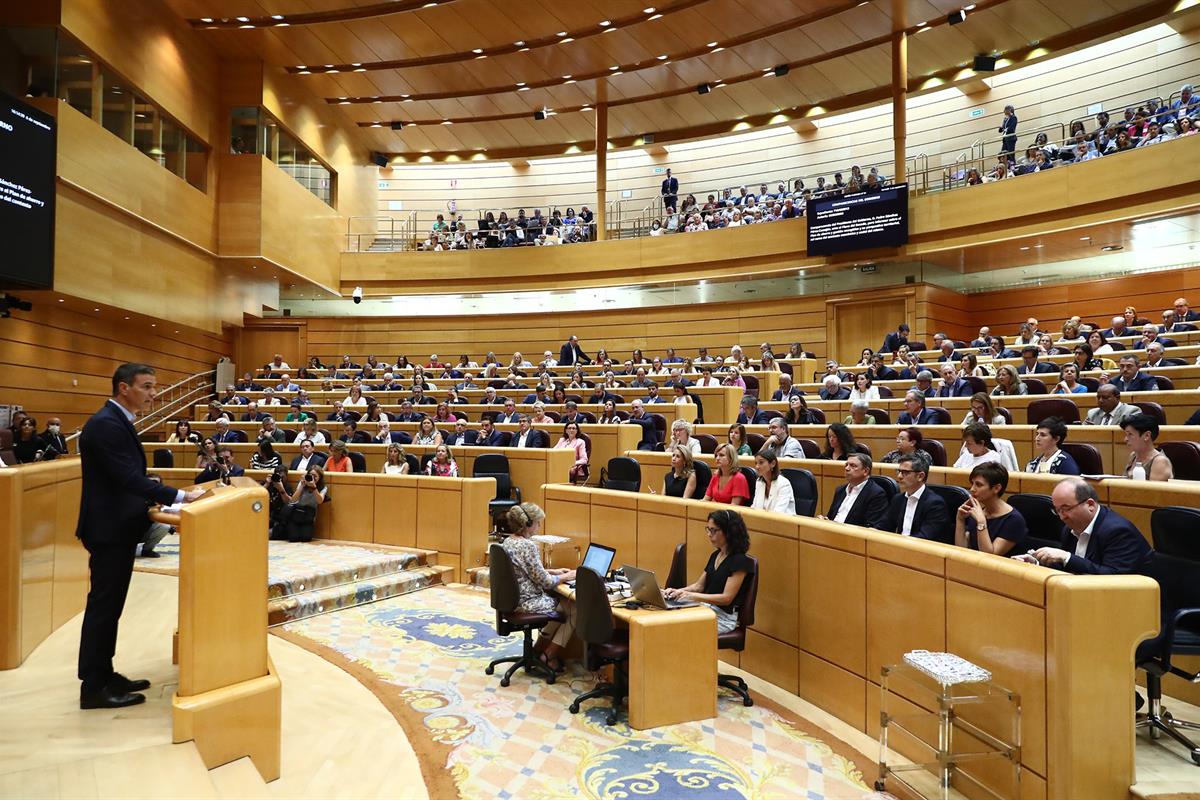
x,y
257,346
863,323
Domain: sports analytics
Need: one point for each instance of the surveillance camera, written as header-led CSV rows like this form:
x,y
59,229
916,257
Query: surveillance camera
x,y
357,295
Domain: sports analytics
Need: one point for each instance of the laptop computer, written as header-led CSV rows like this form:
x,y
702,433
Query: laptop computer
x,y
597,558
644,586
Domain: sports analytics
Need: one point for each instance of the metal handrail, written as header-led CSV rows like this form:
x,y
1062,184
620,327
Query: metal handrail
x,y
177,397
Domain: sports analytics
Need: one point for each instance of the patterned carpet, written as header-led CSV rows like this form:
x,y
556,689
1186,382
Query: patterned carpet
x,y
423,655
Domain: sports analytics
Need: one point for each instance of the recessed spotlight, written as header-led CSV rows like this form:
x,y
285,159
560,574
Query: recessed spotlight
x,y
661,58
656,16
1112,248
711,44
277,16
561,33
477,50
604,23
447,122
1085,238
717,49
242,19
127,318
1039,246
1025,247
521,83
614,67
566,40
153,324
61,300
649,10
610,30
519,44
206,19
523,89
586,108
566,77
95,309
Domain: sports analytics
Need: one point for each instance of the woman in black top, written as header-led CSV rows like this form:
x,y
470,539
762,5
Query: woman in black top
x,y
839,442
27,444
985,522
680,480
798,413
725,571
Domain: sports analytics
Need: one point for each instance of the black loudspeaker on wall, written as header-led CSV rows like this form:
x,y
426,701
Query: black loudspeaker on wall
x,y
985,63
379,159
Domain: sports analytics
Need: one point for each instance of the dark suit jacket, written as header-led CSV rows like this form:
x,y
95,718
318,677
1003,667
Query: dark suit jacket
x,y
960,388
892,342
317,460
842,394
1164,341
569,355
489,441
534,439
779,395
116,491
211,473
870,510
760,417
259,416
469,438
930,521
670,186
885,373
513,419
1115,547
56,442
924,418
1039,368
649,432
1140,383
954,356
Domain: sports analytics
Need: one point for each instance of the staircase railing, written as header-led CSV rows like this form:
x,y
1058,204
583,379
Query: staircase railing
x,y
176,398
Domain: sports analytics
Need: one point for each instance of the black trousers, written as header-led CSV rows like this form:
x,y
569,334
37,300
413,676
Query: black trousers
x,y
111,566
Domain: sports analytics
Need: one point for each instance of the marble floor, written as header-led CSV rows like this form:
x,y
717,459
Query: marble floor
x,y
339,740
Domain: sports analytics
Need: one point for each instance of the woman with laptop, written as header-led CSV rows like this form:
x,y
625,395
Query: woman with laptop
x,y
534,581
727,568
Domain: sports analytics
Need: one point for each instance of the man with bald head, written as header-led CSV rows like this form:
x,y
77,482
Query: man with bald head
x,y
1183,313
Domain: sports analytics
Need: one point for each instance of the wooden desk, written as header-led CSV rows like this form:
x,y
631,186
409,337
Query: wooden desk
x,y
672,663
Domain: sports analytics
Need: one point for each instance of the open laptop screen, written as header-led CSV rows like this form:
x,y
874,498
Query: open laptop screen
x,y
599,558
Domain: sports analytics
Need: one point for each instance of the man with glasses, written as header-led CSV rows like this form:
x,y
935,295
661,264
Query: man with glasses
x,y
1095,540
916,511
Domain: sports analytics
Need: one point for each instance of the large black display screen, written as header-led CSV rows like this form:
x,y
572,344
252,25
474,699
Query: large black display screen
x,y
27,168
860,221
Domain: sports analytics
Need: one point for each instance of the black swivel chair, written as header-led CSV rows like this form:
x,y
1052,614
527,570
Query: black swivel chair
x,y
936,451
1179,585
414,466
810,448
708,443
887,483
736,639
1173,529
953,497
357,461
164,459
703,478
623,474
751,481
505,596
1185,459
1045,527
495,465
677,577
603,643
1086,456
804,489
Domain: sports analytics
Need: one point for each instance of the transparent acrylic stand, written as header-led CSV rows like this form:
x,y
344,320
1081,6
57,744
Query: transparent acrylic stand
x,y
943,764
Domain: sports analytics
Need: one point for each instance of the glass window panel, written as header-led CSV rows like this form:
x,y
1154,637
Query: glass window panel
x,y
74,83
147,134
197,164
173,148
244,129
117,112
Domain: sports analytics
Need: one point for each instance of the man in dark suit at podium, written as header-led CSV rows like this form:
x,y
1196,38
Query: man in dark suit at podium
x,y
112,518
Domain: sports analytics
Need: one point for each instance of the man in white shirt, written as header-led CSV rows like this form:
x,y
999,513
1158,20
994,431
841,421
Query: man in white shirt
x,y
859,501
286,385
548,360
269,398
510,413
525,435
916,511
307,456
735,355
277,364
778,439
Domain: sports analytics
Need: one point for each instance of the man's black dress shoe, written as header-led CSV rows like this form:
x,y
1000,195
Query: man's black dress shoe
x,y
122,685
151,554
108,698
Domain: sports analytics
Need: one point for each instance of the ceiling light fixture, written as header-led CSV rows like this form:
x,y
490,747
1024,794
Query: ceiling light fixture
x,y
956,17
604,23
703,88
649,10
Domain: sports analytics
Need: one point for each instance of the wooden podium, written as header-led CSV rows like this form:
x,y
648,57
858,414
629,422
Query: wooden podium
x,y
228,700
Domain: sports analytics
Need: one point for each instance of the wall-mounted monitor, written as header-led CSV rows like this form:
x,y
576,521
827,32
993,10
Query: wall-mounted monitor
x,y
860,221
27,170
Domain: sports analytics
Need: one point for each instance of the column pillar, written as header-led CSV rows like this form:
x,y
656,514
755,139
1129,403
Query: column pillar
x,y
899,89
601,170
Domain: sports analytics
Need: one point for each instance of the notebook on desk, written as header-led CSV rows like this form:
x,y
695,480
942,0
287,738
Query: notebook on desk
x,y
645,589
598,559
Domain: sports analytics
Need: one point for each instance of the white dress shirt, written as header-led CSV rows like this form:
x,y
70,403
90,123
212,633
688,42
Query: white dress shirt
x,y
520,440
1081,541
780,499
852,493
910,510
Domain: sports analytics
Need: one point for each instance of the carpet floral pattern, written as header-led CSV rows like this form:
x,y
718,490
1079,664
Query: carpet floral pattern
x,y
424,654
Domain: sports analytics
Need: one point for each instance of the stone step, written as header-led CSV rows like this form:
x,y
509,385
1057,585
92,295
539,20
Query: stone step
x,y
478,577
352,564
348,594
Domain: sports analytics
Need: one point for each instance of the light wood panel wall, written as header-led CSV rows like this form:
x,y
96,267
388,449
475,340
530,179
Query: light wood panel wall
x,y
59,362
1123,71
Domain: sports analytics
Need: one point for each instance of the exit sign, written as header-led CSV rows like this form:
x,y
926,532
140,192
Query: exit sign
x,y
975,113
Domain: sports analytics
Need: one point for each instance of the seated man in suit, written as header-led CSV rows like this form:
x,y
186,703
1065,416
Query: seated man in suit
x,y
676,377
880,371
571,413
468,382
538,396
1131,378
419,398
923,383
526,435
351,433
231,396
224,433
1030,365
832,389
1095,540
652,395
750,415
638,416
462,436
509,415
859,501
1150,334
952,385
248,384
253,414
892,342
640,381
781,441
786,388
1109,409
948,352
1183,313
1001,350
917,511
308,457
915,412
984,338
286,384
407,414
270,430
488,435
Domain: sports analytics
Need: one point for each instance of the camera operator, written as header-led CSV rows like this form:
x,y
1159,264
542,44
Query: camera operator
x,y
221,468
297,516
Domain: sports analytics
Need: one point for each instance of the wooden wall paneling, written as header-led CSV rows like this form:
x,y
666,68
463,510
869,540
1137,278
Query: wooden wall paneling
x,y
662,525
351,512
833,689
833,585
257,345
393,526
240,209
439,515
71,576
854,324
299,231
568,513
773,541
771,660
614,523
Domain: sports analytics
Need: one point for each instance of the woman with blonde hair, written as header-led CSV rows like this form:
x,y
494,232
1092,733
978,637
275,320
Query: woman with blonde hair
x,y
680,480
397,463
728,484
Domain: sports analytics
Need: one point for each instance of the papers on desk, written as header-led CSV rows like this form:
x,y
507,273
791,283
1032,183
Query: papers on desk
x,y
1101,477
175,509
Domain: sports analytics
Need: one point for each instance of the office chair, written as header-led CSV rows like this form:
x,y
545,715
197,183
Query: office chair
x,y
756,441
1178,581
1173,529
505,595
1085,455
414,466
1153,409
804,489
1060,407
603,644
1045,527
358,462
936,451
1034,385
736,639
818,416
703,478
708,443
887,483
699,403
751,482
953,497
623,474
1185,459
940,415
586,472
677,577
810,448
880,415
495,465
164,459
